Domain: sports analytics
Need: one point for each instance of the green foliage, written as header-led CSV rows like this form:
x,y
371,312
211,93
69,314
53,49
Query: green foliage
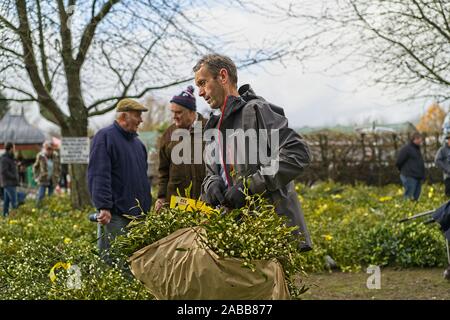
x,y
253,233
34,240
358,226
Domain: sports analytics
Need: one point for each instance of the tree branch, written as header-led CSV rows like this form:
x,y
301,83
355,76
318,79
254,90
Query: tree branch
x,y
44,97
9,24
48,84
89,32
135,96
401,45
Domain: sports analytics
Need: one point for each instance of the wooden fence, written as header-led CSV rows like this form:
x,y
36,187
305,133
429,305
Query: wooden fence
x,y
364,157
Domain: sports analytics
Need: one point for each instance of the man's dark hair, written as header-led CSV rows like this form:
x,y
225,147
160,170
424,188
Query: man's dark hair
x,y
416,135
8,146
215,62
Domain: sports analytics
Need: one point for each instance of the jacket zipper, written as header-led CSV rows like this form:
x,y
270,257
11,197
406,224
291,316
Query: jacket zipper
x,y
220,145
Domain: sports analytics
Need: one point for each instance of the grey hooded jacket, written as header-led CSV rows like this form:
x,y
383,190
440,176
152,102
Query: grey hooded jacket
x,y
273,175
442,160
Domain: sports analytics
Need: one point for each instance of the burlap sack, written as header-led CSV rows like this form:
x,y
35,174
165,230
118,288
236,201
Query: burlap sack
x,y
180,267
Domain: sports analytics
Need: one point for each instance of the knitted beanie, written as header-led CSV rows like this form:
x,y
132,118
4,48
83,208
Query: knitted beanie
x,y
186,99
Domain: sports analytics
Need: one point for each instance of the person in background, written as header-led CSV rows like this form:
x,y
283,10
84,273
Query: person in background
x,y
22,169
442,161
178,177
412,167
9,178
46,170
63,184
117,174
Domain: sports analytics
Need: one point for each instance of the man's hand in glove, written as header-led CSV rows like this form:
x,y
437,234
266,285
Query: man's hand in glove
x,y
215,193
235,197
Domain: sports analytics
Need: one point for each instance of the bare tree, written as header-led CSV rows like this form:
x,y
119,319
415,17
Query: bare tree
x,y
159,116
76,59
403,45
4,106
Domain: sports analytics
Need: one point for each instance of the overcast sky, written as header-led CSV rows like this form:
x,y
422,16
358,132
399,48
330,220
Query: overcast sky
x,y
309,99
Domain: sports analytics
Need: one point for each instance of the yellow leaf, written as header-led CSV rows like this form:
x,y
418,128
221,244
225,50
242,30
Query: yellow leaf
x,y
58,265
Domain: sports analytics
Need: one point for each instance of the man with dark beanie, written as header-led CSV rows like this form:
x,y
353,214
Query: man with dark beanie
x,y
175,175
9,178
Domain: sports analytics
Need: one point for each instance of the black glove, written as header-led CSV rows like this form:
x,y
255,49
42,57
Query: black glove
x,y
235,197
214,194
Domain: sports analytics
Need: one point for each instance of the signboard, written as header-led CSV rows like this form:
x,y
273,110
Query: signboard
x,y
74,150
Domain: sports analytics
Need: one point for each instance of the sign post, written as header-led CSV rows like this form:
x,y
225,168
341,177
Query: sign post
x,y
74,150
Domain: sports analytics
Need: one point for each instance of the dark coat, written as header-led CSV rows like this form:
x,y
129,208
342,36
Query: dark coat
x,y
442,160
117,172
251,112
9,177
173,177
410,161
442,216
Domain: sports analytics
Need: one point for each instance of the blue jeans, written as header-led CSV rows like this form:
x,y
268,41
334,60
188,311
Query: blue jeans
x,y
412,186
41,192
9,195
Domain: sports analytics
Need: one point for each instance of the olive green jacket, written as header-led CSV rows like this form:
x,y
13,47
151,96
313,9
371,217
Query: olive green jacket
x,y
178,177
40,169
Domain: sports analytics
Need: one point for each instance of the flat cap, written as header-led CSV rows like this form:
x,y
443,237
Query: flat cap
x,y
129,105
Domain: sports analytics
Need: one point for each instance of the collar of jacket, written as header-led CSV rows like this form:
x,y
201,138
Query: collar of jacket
x,y
247,93
8,155
199,118
234,103
128,135
414,145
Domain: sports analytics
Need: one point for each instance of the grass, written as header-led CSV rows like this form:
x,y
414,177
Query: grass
x,y
396,284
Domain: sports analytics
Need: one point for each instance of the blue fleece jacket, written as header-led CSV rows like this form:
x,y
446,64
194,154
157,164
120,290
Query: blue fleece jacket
x,y
117,172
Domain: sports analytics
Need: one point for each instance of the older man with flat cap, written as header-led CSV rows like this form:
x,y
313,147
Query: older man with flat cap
x,y
117,173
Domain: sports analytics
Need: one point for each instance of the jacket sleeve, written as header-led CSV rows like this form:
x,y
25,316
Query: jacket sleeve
x,y
212,170
290,153
163,169
8,172
441,160
99,173
36,168
402,157
57,168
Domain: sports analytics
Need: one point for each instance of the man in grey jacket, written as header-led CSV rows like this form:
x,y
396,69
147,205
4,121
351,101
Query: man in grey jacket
x,y
245,115
442,161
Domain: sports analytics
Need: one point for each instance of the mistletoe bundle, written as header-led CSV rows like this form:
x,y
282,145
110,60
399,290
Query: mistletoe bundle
x,y
252,233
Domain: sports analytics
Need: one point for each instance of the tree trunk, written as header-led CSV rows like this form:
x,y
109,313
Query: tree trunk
x,y
79,194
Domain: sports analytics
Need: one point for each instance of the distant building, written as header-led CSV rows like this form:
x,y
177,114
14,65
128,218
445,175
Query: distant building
x,y
404,127
16,129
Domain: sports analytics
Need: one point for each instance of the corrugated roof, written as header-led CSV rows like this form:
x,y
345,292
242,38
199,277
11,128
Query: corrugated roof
x,y
16,129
